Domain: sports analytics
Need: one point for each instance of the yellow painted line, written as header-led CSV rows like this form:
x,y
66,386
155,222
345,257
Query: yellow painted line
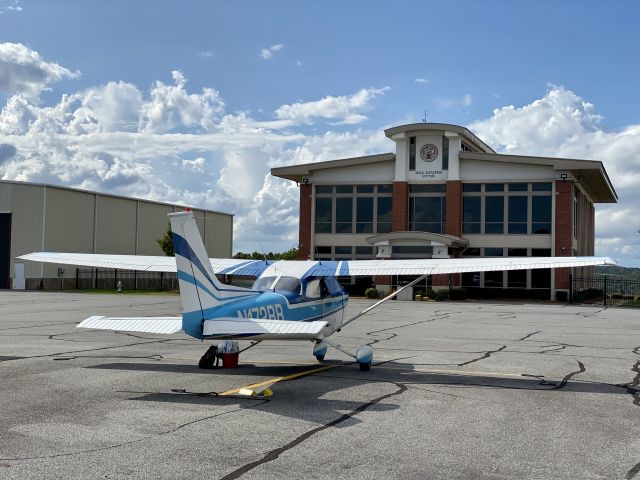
x,y
277,379
469,373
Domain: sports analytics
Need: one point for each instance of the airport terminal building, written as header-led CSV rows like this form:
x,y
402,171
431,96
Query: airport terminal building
x,y
38,217
444,193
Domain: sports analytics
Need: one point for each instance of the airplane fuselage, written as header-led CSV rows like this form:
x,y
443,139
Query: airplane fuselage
x,y
276,305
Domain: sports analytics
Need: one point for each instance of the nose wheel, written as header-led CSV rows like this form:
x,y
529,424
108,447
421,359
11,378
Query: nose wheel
x,y
364,357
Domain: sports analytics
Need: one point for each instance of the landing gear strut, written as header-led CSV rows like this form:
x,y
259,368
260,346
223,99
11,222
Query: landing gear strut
x,y
363,356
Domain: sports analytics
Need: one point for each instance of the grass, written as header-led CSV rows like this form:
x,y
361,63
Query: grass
x,y
631,304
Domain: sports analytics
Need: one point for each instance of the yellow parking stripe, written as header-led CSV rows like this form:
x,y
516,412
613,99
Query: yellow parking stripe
x,y
266,383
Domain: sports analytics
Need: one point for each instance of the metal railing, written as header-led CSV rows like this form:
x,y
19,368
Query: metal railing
x,y
605,291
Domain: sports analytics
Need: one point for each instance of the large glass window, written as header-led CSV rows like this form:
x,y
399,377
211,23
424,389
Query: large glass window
x,y
471,187
445,153
324,217
517,278
344,215
363,209
471,279
344,188
384,214
471,214
493,279
412,153
364,215
541,277
427,214
541,214
518,210
518,187
494,214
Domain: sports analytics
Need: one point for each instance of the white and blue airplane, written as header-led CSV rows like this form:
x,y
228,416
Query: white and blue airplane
x,y
290,300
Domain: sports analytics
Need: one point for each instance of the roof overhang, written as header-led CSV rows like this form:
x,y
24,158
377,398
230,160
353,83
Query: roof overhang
x,y
303,170
414,129
419,237
590,174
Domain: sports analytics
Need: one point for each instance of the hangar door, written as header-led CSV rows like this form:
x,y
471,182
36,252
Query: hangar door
x,y
5,248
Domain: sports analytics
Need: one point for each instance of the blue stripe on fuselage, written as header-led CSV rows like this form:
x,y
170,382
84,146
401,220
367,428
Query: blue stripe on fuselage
x,y
266,306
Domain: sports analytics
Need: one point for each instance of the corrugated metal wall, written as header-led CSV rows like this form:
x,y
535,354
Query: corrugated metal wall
x,y
25,203
85,222
116,225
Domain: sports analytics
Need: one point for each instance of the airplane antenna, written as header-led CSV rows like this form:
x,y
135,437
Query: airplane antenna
x,y
315,247
263,254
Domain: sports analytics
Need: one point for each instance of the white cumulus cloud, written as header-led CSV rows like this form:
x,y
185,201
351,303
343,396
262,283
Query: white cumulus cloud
x,y
172,108
343,109
267,53
10,6
23,70
562,124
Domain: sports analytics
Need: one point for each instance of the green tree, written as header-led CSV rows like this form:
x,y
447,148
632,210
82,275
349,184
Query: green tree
x,y
166,243
291,254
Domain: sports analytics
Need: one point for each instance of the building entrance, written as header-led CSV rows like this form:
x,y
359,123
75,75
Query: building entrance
x,y
5,249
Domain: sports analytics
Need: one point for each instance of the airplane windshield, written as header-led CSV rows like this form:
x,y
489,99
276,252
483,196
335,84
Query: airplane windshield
x,y
288,284
283,284
264,283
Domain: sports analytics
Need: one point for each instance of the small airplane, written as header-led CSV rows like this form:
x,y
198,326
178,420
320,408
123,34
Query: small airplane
x,y
290,300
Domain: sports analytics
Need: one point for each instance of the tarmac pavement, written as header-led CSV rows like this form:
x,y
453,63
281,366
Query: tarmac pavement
x,y
465,390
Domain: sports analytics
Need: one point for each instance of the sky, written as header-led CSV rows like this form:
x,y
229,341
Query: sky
x,y
193,102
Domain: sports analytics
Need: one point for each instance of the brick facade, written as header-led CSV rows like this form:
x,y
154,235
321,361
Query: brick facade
x,y
304,231
564,230
400,212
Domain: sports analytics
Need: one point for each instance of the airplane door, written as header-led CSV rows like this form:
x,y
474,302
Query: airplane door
x,y
332,302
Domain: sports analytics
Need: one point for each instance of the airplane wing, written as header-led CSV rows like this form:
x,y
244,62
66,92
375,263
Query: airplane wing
x,y
223,328
303,269
306,268
165,325
146,263
220,328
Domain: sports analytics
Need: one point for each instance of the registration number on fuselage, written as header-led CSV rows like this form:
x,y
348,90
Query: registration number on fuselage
x,y
265,312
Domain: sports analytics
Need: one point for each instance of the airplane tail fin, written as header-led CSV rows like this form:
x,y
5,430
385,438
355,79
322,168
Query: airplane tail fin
x,y
200,290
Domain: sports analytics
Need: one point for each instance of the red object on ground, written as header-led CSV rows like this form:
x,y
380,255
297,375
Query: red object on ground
x,y
230,360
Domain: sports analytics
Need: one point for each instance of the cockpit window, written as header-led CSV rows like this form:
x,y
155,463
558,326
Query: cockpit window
x,y
264,283
288,284
332,284
314,288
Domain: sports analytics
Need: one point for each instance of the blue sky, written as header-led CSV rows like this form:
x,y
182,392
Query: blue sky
x,y
507,69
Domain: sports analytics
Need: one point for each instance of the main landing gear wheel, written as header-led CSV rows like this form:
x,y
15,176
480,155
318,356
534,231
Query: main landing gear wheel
x,y
210,358
320,350
364,357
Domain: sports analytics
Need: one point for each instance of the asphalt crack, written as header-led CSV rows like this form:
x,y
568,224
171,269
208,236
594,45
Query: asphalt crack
x,y
633,471
569,376
529,335
276,452
631,387
484,355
